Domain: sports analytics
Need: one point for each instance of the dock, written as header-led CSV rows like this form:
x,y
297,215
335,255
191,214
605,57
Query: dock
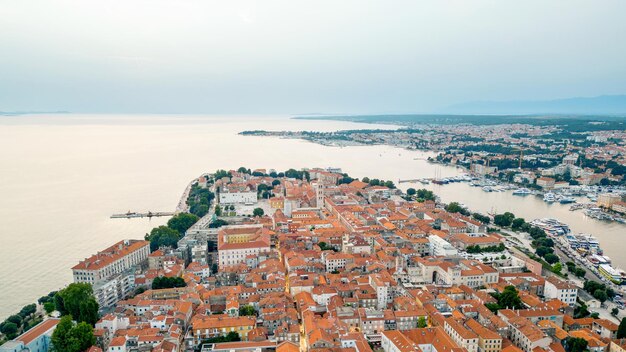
x,y
149,214
415,180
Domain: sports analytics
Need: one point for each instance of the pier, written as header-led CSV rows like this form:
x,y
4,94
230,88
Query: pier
x,y
149,214
415,180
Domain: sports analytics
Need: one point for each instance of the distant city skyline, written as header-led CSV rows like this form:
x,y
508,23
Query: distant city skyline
x,y
286,57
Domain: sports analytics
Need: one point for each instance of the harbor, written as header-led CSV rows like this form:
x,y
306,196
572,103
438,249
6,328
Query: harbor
x,y
583,249
439,180
580,197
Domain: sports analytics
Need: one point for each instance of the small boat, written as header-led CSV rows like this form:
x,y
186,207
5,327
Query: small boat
x,y
522,192
567,200
576,206
549,197
487,189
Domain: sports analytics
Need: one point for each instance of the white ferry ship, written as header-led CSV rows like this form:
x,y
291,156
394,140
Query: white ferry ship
x,y
616,276
552,227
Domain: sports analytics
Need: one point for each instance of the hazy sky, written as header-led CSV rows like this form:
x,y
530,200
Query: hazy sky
x,y
335,56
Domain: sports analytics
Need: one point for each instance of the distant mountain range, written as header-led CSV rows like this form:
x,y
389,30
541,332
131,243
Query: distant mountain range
x,y
604,105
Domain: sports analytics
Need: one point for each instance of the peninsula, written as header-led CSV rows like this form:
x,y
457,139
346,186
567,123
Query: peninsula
x,y
316,260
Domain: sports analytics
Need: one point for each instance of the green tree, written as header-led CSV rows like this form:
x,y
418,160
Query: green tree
x,y
275,183
161,282
163,236
258,212
58,304
218,210
218,223
621,330
389,184
323,246
61,333
28,310
182,221
482,218
509,298
68,337
10,329
48,298
575,344
551,258
542,251
246,310
232,336
492,307
425,194
199,209
221,174
581,311
614,312
48,307
504,220
88,311
411,191
517,223
421,322
77,300
600,295
454,207
16,319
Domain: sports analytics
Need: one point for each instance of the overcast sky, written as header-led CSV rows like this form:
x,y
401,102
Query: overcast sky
x,y
336,56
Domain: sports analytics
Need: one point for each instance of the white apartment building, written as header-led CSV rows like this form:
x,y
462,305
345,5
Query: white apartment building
x,y
564,291
383,284
395,341
441,247
112,261
461,335
238,197
336,261
109,292
526,335
372,323
322,294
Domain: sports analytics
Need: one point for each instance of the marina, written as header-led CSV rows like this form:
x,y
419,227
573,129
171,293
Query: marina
x,y
583,248
580,197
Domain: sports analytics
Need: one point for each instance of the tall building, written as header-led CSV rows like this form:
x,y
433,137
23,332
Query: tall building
x,y
562,290
235,243
112,261
110,271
